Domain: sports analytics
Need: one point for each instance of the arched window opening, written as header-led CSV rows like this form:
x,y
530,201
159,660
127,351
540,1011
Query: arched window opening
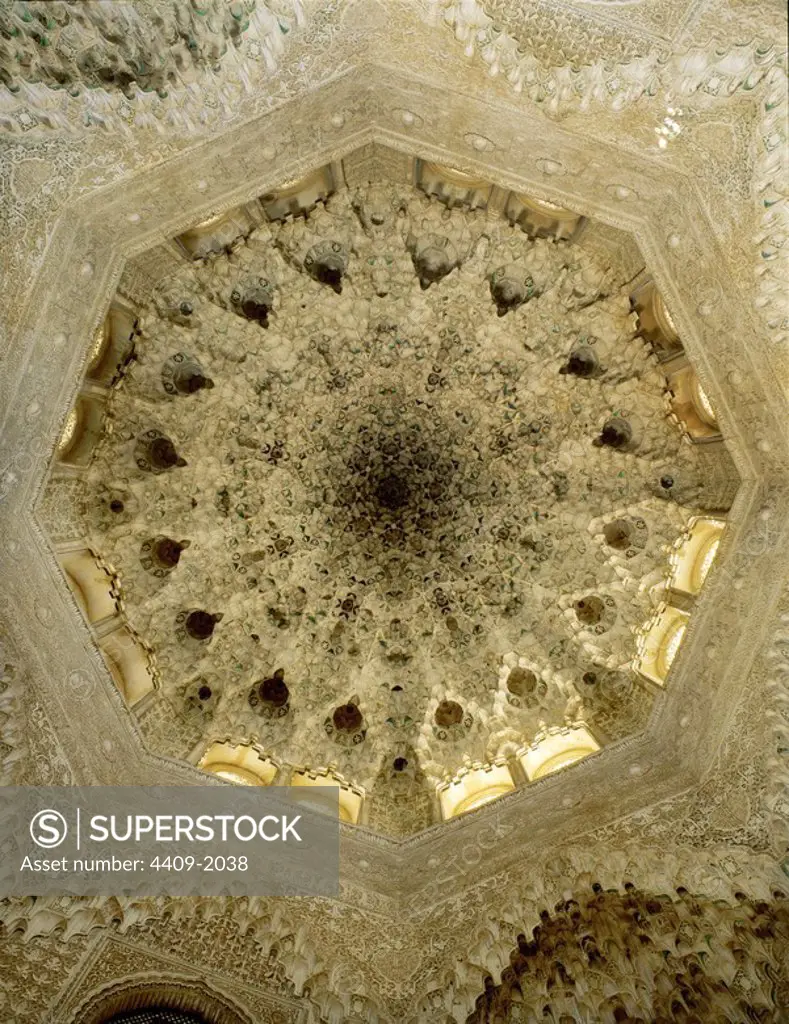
x,y
298,197
69,432
452,186
540,218
130,663
95,588
557,749
703,404
240,763
113,344
655,323
691,407
220,232
156,1015
328,793
659,642
81,431
169,1000
706,558
473,787
670,646
692,558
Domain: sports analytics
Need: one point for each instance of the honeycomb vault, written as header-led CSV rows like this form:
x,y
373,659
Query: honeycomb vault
x,y
489,594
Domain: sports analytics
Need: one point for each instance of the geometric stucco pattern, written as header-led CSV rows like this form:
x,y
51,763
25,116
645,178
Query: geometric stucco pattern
x,y
695,802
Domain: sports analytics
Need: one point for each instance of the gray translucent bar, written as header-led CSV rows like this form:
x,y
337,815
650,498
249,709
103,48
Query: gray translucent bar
x,y
167,840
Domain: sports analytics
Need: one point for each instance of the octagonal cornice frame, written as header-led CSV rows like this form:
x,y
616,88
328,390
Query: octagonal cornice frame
x,y
660,207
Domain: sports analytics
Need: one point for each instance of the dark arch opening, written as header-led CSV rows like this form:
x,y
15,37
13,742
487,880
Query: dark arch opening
x,y
156,1015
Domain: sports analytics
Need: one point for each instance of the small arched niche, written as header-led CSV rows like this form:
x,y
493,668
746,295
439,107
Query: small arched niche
x,y
692,559
241,763
473,787
557,749
658,643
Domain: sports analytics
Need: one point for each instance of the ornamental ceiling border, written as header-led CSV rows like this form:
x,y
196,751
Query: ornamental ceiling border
x,y
331,954
81,270
717,54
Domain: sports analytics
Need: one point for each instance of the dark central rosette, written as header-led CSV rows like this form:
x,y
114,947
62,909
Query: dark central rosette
x,y
401,478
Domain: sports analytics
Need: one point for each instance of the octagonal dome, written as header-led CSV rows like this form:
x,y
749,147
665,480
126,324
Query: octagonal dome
x,y
386,486
647,146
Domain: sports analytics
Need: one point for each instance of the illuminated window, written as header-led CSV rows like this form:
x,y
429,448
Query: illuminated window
x,y
69,432
556,750
93,586
240,776
328,793
703,405
662,313
659,643
473,787
707,559
216,233
100,340
690,405
541,217
112,344
671,646
694,554
545,204
655,323
453,186
298,195
456,177
82,430
241,763
130,663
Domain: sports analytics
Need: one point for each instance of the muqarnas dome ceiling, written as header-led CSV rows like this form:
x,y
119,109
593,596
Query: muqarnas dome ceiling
x,y
388,491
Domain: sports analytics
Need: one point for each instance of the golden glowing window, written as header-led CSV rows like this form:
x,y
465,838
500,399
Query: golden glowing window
x,y
702,403
659,643
328,793
100,339
237,775
474,787
298,195
662,313
694,554
240,763
545,205
93,585
129,662
708,557
69,431
556,750
454,176
671,646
